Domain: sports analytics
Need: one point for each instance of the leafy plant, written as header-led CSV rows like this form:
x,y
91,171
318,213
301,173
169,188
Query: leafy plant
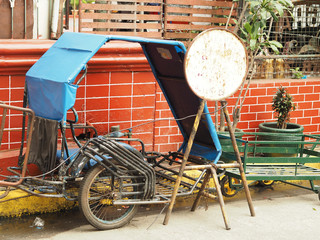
x,y
254,30
282,104
296,73
72,2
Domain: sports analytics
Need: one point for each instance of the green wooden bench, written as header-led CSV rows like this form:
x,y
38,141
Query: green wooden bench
x,y
266,161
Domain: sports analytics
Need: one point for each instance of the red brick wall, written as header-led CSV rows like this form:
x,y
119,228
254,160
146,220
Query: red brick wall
x,y
257,104
121,90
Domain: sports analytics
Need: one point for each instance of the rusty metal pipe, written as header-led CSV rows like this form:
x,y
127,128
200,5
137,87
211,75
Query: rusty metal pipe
x,y
24,168
5,193
184,161
236,151
3,121
208,166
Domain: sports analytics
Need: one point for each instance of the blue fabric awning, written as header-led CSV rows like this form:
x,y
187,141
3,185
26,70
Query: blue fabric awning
x,y
50,80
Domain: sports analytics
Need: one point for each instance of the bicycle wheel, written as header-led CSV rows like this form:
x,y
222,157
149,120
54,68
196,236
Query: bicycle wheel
x,y
97,192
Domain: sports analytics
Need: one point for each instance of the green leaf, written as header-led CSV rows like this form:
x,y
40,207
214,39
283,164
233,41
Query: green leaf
x,y
247,27
253,43
276,43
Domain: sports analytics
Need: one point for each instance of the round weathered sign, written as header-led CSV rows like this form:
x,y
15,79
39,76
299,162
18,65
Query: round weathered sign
x,y
216,64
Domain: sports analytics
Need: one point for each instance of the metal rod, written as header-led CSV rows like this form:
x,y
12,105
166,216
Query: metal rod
x,y
203,186
288,56
3,121
25,19
79,16
25,163
12,6
220,197
67,7
5,193
123,202
236,151
216,117
74,16
208,166
184,161
38,28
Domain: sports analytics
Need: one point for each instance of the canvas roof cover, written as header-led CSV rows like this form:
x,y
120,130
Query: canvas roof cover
x,y
51,91
50,80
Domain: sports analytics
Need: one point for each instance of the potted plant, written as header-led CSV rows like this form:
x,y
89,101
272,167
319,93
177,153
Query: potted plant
x,y
282,105
257,15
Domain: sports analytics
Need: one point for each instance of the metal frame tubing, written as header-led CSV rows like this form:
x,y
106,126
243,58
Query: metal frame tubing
x,y
25,163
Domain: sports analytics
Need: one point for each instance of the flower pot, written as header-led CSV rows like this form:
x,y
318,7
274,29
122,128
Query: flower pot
x,y
284,135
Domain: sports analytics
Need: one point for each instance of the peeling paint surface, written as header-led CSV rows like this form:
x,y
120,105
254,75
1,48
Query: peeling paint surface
x,y
216,64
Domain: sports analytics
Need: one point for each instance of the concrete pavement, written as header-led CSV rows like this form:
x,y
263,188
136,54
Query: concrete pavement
x,y
282,212
296,217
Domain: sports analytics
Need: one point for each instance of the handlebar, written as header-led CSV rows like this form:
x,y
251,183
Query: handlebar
x,y
76,117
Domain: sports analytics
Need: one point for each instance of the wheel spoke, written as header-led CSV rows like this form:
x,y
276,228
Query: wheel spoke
x,y
97,192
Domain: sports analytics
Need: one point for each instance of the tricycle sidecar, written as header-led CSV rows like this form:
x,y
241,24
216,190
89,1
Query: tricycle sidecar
x,y
114,176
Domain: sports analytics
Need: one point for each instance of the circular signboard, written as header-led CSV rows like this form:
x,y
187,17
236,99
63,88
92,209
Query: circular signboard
x,y
216,64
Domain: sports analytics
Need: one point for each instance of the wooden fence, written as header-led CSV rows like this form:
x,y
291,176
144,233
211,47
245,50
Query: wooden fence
x,y
165,19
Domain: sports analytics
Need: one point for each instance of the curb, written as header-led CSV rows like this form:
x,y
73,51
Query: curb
x,y
19,203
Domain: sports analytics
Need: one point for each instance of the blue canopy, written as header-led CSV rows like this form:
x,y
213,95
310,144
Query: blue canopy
x,y
51,92
51,89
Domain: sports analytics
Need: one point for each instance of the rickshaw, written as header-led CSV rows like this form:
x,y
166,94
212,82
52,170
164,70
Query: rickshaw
x,y
107,175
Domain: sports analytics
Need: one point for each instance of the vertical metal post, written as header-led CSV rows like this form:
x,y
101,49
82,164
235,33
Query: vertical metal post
x,y
74,16
25,19
184,161
12,6
67,7
79,16
236,151
216,117
38,21
3,121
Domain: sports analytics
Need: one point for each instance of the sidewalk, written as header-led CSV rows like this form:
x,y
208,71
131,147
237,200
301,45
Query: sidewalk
x,y
293,218
282,212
